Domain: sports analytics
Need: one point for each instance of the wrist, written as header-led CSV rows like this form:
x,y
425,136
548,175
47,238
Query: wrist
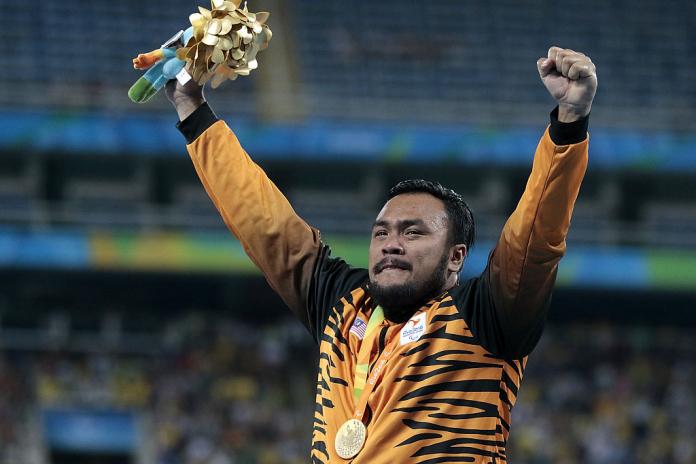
x,y
197,123
571,113
567,133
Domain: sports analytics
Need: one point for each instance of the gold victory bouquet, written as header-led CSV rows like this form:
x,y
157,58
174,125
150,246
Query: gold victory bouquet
x,y
221,44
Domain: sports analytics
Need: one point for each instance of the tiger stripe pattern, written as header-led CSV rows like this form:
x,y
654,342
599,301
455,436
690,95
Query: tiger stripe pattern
x,y
443,398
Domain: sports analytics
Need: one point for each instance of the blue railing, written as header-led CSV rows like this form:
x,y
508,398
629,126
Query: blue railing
x,y
153,135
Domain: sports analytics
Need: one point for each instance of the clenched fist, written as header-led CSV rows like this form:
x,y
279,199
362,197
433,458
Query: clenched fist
x,y
571,78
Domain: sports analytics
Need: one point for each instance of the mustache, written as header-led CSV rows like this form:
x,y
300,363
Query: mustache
x,y
391,262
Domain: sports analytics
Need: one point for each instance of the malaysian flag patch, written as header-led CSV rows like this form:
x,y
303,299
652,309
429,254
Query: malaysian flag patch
x,y
358,328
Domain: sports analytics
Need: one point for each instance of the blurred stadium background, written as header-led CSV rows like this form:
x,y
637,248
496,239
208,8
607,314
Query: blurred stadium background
x,y
134,330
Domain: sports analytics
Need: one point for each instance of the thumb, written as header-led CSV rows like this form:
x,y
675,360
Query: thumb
x,y
544,66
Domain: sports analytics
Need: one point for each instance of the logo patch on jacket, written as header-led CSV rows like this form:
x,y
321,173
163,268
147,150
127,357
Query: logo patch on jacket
x,y
358,328
413,329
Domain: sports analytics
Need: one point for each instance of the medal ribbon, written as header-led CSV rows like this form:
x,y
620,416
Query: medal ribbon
x,y
362,386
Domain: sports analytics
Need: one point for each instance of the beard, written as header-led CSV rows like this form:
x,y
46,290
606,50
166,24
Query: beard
x,y
400,301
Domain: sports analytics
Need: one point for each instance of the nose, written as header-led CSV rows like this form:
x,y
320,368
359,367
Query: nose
x,y
392,246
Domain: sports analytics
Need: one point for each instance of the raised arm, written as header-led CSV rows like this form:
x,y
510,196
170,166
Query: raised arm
x,y
515,288
276,239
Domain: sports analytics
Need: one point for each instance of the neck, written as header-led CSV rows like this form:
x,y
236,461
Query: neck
x,y
399,314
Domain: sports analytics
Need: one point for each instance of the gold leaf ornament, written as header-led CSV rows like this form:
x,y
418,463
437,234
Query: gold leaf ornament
x,y
225,42
210,39
214,26
225,26
262,17
207,14
197,20
182,52
217,56
237,53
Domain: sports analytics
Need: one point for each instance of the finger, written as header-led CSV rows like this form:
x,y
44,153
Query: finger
x,y
544,66
553,51
551,54
566,58
580,69
568,61
560,57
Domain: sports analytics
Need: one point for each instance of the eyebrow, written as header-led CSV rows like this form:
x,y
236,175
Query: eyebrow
x,y
402,224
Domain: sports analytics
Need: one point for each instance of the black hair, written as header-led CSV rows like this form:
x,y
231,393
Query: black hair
x,y
461,219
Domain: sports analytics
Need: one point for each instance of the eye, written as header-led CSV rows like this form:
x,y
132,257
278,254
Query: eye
x,y
413,232
380,233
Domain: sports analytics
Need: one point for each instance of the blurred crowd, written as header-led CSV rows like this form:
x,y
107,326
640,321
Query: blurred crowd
x,y
235,394
14,402
222,392
608,394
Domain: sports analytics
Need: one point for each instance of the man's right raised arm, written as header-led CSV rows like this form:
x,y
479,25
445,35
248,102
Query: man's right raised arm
x,y
283,246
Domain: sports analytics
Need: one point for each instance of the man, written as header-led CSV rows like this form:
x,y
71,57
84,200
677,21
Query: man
x,y
415,366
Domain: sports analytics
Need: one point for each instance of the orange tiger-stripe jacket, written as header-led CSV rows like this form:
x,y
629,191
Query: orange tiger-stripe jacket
x,y
447,392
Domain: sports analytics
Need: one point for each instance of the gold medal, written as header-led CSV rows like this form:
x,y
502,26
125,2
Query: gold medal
x,y
350,438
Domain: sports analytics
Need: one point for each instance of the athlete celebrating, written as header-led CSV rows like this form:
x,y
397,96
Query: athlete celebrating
x,y
415,366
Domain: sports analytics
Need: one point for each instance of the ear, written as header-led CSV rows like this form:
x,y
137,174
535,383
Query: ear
x,y
456,258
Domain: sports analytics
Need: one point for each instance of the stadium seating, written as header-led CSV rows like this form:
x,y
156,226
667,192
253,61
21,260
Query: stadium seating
x,y
438,61
77,53
475,60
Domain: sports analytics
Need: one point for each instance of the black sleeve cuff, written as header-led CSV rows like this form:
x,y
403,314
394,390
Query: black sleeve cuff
x,y
197,122
567,133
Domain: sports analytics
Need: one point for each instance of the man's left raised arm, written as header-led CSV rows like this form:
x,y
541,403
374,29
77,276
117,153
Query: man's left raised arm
x,y
522,269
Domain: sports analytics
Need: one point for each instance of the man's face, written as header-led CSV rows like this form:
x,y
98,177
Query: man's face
x,y
409,249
